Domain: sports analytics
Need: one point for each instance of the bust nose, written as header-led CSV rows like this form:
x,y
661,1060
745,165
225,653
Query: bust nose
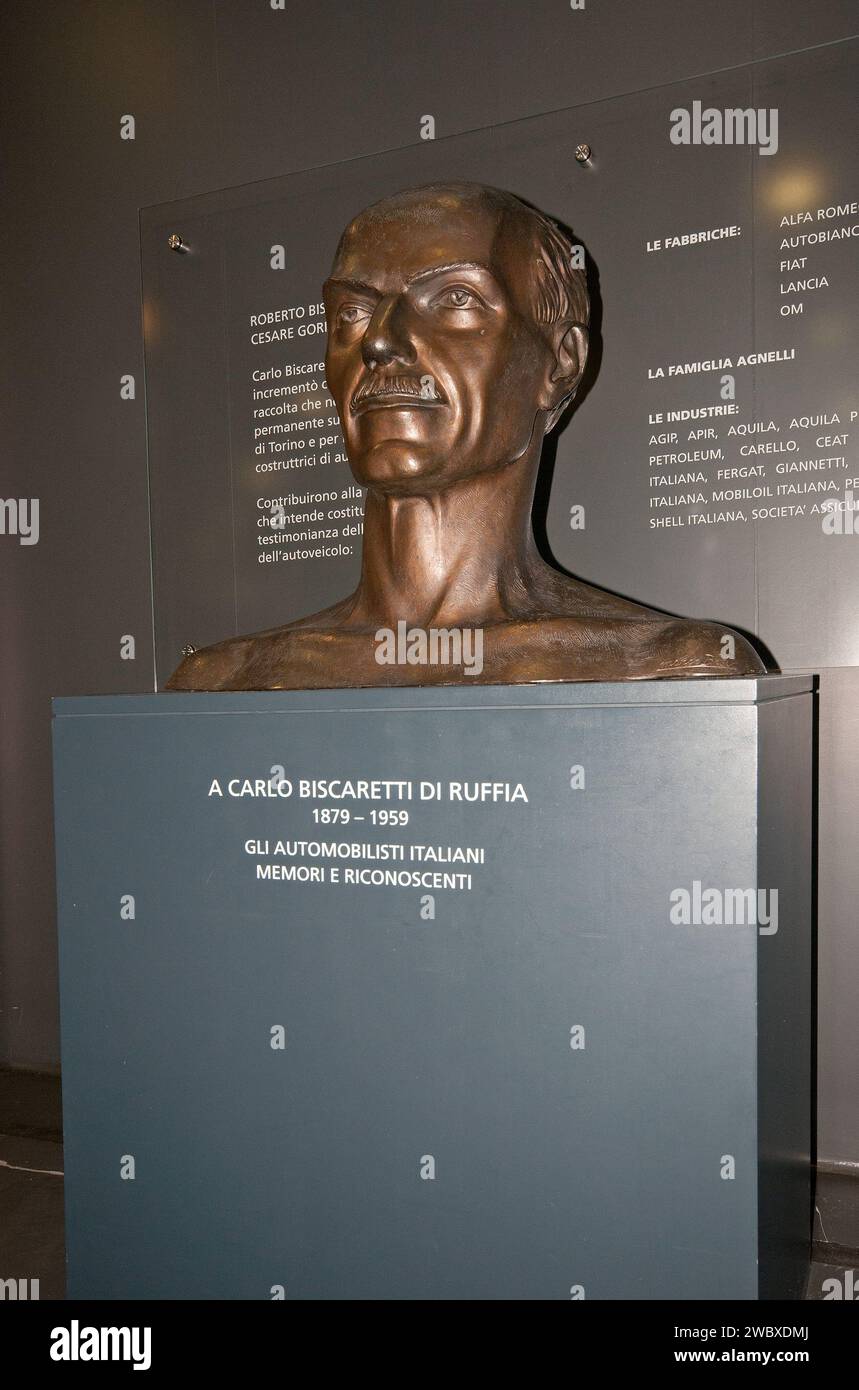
x,y
386,337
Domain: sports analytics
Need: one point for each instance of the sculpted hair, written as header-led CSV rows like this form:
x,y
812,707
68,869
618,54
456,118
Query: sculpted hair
x,y
560,290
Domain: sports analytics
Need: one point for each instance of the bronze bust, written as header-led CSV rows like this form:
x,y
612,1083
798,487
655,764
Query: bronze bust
x,y
457,336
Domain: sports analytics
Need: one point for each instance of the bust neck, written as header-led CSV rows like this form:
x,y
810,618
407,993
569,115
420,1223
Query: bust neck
x,y
456,555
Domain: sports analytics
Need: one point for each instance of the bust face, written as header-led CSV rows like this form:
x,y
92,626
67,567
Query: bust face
x,y
433,358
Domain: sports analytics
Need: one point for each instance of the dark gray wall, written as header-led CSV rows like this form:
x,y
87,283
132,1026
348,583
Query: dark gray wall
x,y
224,93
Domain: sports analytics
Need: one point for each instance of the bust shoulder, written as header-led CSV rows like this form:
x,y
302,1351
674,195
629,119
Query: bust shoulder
x,y
212,668
684,647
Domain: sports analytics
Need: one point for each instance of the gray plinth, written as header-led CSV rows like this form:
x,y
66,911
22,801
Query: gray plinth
x,y
546,1090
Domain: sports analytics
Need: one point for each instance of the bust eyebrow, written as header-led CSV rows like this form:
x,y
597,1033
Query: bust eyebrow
x,y
450,265
334,283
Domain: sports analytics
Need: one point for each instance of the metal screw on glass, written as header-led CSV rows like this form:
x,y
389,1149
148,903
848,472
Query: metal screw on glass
x,y
583,154
188,650
176,243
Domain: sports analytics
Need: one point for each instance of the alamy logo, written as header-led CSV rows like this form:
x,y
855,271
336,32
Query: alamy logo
x,y
434,646
717,907
733,126
839,516
19,1290
847,1287
19,516
76,1343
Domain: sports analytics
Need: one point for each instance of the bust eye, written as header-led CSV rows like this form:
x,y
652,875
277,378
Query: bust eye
x,y
351,313
457,298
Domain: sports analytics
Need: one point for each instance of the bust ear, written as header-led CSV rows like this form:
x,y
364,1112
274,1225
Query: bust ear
x,y
570,351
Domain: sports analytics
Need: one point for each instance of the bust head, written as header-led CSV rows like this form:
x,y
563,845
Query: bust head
x,y
457,334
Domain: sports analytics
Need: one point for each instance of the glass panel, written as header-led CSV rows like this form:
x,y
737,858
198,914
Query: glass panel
x,y
687,491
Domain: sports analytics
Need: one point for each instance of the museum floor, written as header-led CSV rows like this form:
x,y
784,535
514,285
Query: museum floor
x,y
31,1193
